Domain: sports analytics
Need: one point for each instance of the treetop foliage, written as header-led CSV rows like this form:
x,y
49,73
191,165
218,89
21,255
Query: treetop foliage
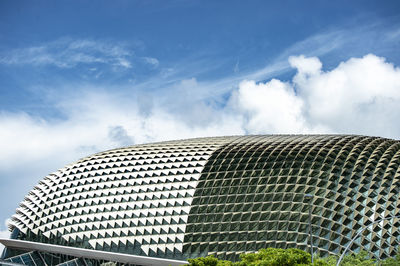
x,y
293,257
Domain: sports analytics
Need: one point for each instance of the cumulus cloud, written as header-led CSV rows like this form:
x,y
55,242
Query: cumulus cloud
x,y
360,96
120,136
269,107
94,122
32,147
4,234
306,66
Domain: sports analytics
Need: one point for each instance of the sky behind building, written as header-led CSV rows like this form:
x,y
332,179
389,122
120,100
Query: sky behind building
x,y
78,77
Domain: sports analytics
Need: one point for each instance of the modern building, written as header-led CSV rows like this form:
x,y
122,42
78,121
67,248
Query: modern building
x,y
161,203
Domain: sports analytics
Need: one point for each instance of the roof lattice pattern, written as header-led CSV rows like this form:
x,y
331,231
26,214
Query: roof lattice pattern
x,y
132,199
222,196
251,195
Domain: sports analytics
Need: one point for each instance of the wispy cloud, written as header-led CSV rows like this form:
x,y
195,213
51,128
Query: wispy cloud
x,y
151,61
169,82
68,53
348,98
359,95
236,68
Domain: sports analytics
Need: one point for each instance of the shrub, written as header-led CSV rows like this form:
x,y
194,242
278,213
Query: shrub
x,y
209,261
292,257
276,257
270,257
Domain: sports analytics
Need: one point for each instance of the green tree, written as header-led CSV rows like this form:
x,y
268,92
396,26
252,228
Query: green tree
x,y
294,257
275,257
326,261
110,263
360,259
391,261
209,261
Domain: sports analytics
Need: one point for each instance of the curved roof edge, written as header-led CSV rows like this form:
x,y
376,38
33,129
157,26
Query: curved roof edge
x,y
88,253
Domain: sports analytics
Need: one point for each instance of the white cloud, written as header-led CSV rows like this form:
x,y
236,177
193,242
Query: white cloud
x,y
151,61
123,63
236,69
4,234
95,122
68,53
271,107
360,95
305,66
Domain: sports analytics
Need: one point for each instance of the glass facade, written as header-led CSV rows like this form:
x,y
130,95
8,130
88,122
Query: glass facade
x,y
222,196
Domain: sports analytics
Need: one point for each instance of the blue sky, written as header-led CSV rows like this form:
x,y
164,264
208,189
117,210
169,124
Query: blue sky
x,y
78,77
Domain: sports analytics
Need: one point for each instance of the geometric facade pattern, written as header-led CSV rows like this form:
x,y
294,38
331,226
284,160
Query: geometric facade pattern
x,y
131,200
222,196
251,195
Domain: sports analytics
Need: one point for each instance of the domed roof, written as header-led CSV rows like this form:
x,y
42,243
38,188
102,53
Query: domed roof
x,y
223,196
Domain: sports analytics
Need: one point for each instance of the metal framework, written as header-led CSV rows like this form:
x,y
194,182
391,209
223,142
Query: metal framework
x,y
88,254
222,196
